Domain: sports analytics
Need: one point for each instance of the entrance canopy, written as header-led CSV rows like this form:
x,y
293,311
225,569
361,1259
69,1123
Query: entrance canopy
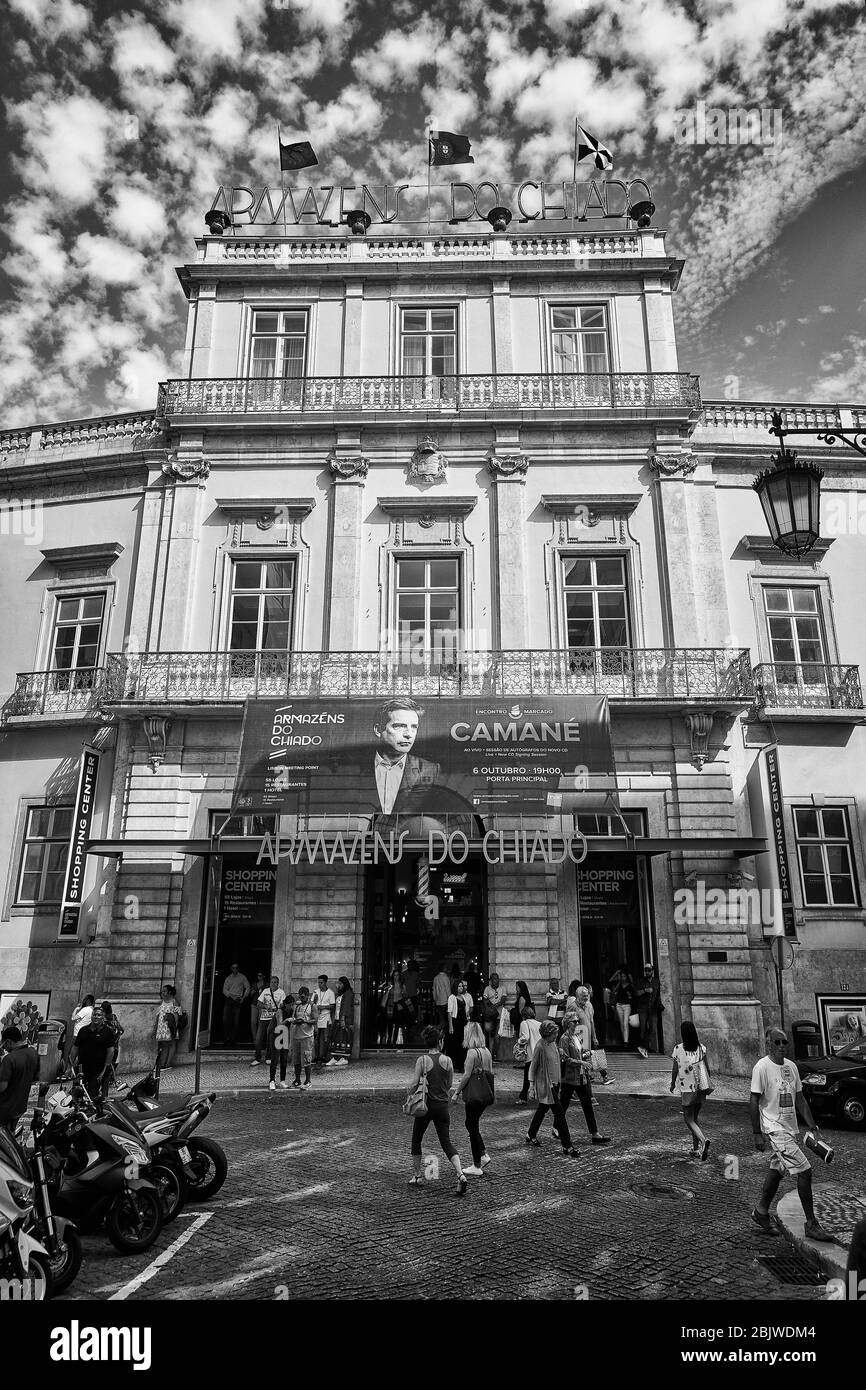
x,y
740,847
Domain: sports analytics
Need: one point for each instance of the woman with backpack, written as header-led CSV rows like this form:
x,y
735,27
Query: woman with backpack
x,y
438,1072
476,1088
689,1071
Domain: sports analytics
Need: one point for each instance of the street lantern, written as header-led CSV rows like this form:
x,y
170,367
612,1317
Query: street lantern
x,y
790,494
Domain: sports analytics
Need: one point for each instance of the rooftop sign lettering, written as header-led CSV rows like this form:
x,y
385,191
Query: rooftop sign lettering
x,y
327,205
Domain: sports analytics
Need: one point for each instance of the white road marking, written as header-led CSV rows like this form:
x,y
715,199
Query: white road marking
x,y
286,1196
161,1260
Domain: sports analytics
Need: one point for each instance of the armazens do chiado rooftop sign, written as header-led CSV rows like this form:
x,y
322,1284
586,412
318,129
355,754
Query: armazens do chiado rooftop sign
x,y
327,205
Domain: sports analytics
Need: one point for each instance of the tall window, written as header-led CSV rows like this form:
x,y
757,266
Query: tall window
x,y
796,639
279,343
428,342
262,601
77,636
824,851
428,608
596,601
580,338
46,848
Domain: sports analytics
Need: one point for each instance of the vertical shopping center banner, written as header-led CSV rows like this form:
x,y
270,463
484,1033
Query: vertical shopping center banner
x,y
454,757
780,841
73,887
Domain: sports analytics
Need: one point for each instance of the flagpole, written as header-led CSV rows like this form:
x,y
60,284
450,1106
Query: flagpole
x,y
574,167
428,179
282,183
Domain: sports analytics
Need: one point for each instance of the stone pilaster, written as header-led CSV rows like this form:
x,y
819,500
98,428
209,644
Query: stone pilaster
x,y
349,472
508,471
503,361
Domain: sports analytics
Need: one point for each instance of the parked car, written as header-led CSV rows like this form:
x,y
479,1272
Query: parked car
x,y
836,1086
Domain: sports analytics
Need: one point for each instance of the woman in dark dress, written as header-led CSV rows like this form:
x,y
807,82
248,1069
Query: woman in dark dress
x,y
459,1007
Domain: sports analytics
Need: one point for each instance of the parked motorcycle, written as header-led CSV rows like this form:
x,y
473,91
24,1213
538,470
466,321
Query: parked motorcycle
x,y
168,1157
25,1270
205,1165
95,1175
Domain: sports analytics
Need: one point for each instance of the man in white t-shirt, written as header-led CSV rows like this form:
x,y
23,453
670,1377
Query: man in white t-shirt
x,y
325,1000
776,1096
269,1001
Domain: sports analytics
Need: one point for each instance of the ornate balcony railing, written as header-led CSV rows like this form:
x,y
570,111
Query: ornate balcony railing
x,y
644,391
807,685
651,674
56,692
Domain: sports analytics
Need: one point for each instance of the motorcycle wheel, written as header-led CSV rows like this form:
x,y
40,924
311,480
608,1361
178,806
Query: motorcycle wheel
x,y
170,1183
40,1285
135,1220
66,1263
211,1168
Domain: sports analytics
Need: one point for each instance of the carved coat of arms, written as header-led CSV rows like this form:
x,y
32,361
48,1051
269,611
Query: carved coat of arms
x,y
427,464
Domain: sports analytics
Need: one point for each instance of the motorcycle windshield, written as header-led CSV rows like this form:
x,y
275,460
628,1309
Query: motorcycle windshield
x,y
11,1154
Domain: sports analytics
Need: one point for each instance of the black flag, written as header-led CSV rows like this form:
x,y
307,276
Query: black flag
x,y
446,148
589,146
298,156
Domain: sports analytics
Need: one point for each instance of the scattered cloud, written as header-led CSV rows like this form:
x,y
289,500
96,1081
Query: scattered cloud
x,y
122,130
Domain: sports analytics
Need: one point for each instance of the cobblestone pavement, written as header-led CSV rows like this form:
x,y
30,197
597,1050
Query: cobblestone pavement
x,y
316,1204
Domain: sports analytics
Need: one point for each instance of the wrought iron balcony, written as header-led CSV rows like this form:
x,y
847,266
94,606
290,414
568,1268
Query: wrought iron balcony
x,y
659,675
69,692
651,393
807,686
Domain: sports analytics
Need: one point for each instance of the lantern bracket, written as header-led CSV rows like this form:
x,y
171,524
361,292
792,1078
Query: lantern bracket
x,y
854,439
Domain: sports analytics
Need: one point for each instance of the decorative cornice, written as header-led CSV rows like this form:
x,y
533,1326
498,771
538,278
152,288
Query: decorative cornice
x,y
591,508
670,465
420,507
766,553
349,469
428,464
508,466
178,470
256,507
79,557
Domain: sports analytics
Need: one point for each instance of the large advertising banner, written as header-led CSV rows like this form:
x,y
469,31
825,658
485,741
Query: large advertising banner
x,y
399,757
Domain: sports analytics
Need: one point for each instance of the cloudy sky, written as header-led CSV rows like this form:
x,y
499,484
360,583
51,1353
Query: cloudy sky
x,y
122,121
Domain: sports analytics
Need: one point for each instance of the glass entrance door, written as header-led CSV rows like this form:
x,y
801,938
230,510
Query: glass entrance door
x,y
405,948
615,924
